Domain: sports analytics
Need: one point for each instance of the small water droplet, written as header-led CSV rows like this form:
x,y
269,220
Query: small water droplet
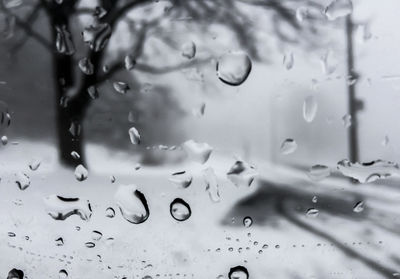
x,y
181,179
86,66
288,146
97,36
385,141
129,62
81,173
312,212
212,186
110,212
75,129
34,164
241,173
358,207
59,241
247,221
132,203
23,181
64,43
319,172
198,152
60,208
90,244
112,179
75,155
288,60
121,87
189,50
310,107
314,199
4,140
180,210
233,68
93,93
346,120
96,235
134,135
238,272
62,274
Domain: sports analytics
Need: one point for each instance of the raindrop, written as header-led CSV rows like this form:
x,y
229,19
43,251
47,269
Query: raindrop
x,y
385,141
34,164
312,212
96,235
64,43
328,63
241,173
314,199
15,274
288,146
181,179
238,272
75,155
110,212
338,8
288,61
62,274
59,241
247,221
112,179
11,234
90,244
198,152
86,66
319,172
4,140
180,210
75,129
97,36
368,172
189,50
23,181
233,68
358,207
310,107
99,12
121,87
134,135
212,186
60,208
129,62
81,173
132,203
93,93
346,120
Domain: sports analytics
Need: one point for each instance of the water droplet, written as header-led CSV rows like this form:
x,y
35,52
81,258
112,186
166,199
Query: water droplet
x,y
319,172
385,141
312,212
93,93
90,244
97,36
132,203
34,164
11,234
110,212
86,66
181,179
189,50
112,179
180,210
234,68
328,63
288,146
75,129
10,4
241,173
134,135
247,221
99,12
75,155
198,152
59,241
81,173
129,62
358,207
15,274
288,61
64,43
62,274
4,140
212,186
121,87
23,181
338,8
346,120
314,199
238,272
96,235
368,172
310,107
60,208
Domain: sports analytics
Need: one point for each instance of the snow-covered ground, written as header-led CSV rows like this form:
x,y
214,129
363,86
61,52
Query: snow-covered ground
x,y
282,242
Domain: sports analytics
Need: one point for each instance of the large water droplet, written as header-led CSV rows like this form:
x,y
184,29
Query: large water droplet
x,y
86,66
60,208
180,210
338,8
318,172
368,172
241,173
181,179
15,274
238,272
134,135
312,212
189,50
288,146
234,68
212,186
247,221
110,212
64,43
310,107
81,173
23,181
198,152
97,36
62,274
132,203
